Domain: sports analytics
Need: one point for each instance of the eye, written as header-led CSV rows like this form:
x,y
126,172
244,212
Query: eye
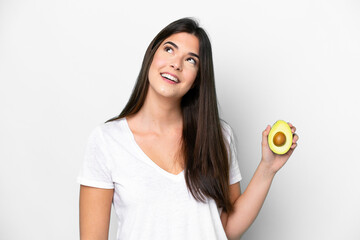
x,y
168,49
191,60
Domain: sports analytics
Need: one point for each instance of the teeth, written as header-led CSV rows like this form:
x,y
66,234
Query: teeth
x,y
168,76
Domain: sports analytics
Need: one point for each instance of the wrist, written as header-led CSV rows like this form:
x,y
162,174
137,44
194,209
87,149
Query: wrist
x,y
266,169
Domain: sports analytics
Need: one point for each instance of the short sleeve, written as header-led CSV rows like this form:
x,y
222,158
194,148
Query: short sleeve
x,y
95,171
234,170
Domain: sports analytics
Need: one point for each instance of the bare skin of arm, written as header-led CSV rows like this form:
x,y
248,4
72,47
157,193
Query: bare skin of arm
x,y
247,205
235,193
95,209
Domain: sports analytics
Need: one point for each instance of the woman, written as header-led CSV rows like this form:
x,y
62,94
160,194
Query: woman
x,y
167,162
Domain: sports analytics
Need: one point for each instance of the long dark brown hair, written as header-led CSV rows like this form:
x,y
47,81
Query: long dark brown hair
x,y
206,157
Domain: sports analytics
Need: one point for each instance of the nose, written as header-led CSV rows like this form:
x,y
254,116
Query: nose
x,y
176,64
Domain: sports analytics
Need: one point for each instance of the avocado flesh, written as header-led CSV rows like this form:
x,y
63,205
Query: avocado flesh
x,y
280,126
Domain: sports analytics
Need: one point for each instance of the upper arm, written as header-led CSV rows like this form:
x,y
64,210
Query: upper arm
x,y
235,192
95,209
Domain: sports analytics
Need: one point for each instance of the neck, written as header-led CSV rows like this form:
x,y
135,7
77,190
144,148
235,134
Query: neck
x,y
160,114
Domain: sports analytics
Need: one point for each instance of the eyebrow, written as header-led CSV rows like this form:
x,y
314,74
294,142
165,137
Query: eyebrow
x,y
176,46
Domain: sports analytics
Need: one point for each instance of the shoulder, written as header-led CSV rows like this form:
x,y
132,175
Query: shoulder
x,y
104,132
226,129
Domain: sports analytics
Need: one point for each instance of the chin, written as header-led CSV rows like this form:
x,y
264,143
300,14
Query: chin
x,y
166,92
170,95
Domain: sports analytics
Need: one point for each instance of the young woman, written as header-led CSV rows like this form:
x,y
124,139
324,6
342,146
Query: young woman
x,y
167,162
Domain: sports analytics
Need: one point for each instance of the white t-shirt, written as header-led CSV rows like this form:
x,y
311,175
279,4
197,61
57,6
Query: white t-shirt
x,y
150,203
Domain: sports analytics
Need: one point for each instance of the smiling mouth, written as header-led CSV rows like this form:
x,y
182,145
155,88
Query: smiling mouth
x,y
170,77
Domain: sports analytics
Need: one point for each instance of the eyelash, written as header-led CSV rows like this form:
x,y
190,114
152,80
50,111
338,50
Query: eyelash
x,y
167,48
193,60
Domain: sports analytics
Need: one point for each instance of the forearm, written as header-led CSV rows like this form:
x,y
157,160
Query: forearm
x,y
248,205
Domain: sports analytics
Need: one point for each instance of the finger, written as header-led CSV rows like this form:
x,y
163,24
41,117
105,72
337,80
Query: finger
x,y
289,153
265,134
293,128
295,138
266,131
293,146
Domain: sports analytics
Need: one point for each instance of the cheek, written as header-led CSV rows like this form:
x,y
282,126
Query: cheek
x,y
191,75
156,64
158,61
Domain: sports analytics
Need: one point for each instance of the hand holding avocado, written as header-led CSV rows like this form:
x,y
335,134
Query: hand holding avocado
x,y
278,143
280,137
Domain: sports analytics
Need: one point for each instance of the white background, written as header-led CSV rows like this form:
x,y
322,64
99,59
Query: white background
x,y
68,65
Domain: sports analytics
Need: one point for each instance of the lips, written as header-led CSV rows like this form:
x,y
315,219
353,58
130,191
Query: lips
x,y
170,77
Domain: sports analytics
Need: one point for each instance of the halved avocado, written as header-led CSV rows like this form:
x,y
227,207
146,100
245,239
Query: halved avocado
x,y
280,137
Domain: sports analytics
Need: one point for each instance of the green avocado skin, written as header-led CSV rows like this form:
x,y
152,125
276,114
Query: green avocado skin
x,y
280,126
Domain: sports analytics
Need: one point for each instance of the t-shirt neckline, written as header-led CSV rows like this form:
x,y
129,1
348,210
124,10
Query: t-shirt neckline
x,y
146,158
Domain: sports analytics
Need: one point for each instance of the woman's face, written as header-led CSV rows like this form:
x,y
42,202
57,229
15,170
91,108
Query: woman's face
x,y
174,66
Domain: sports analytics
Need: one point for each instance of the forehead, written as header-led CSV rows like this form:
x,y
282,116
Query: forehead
x,y
185,41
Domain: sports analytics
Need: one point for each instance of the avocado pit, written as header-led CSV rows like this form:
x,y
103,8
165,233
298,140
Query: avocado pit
x,y
279,139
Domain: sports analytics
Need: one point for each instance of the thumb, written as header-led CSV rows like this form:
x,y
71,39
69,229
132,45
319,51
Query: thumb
x,y
265,134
